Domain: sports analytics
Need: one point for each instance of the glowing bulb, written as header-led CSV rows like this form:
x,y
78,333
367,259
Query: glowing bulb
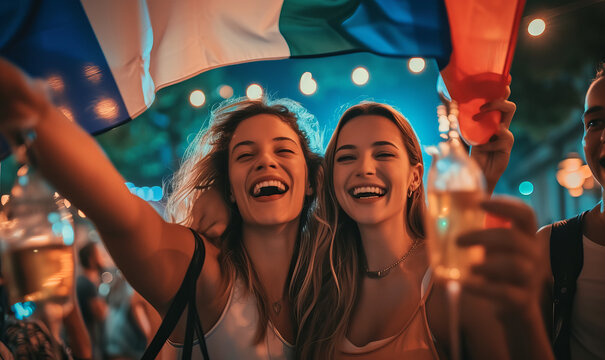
x,y
574,180
4,199
254,92
575,192
360,76
536,27
526,188
416,65
197,98
82,215
307,85
225,91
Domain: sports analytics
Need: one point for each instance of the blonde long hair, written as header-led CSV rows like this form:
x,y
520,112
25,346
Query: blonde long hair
x,y
206,163
343,268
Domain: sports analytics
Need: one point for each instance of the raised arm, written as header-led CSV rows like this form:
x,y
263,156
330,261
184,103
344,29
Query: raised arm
x,y
493,156
152,254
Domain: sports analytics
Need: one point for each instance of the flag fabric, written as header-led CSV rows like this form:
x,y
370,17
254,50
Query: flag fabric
x,y
104,60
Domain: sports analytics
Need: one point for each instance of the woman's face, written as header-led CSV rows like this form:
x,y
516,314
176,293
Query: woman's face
x,y
372,171
267,171
594,129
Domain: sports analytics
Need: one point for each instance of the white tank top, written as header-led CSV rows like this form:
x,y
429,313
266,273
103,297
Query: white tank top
x,y
587,340
233,334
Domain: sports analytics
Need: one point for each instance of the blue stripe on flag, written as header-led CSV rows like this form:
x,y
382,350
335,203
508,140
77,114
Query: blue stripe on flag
x,y
52,39
402,28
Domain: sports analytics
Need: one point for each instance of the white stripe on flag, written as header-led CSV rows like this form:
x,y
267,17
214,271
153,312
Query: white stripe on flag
x,y
154,43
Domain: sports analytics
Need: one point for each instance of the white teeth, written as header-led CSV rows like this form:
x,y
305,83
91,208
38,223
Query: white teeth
x,y
267,183
368,189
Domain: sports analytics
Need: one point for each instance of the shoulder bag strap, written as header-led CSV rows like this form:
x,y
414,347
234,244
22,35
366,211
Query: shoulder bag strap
x,y
185,293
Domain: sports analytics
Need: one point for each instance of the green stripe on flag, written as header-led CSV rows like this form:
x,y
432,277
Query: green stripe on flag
x,y
313,27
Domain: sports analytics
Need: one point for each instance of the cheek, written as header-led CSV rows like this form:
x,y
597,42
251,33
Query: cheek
x,y
236,180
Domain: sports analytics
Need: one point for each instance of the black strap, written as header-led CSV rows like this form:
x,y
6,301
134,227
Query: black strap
x,y
184,296
566,260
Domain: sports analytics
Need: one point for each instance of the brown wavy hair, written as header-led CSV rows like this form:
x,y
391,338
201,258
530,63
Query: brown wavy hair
x,y
206,163
343,268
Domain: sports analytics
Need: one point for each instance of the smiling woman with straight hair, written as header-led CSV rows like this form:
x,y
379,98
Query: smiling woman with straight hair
x,y
379,299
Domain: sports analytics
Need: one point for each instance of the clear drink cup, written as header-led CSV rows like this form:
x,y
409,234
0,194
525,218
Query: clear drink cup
x,y
37,244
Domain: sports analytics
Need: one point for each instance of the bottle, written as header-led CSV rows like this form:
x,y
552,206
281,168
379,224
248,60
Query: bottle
x,y
36,244
455,188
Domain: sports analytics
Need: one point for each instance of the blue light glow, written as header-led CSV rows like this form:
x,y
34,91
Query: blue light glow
x,y
23,310
526,188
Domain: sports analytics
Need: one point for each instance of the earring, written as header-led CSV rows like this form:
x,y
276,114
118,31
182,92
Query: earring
x,y
410,192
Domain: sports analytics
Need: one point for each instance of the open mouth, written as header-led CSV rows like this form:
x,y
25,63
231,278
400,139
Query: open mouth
x,y
367,192
268,188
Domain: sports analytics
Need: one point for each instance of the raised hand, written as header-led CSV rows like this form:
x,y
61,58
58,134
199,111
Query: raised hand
x,y
513,269
493,156
23,101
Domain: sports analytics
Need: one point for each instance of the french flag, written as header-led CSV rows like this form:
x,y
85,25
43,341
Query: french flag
x,y
104,60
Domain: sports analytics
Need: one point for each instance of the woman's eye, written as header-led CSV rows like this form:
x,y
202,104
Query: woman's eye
x,y
385,155
345,158
243,156
285,151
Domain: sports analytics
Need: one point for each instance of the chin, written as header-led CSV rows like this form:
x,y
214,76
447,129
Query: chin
x,y
272,220
366,219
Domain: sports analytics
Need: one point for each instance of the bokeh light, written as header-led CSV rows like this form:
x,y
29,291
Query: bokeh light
x,y
225,91
360,76
526,188
197,98
254,92
56,83
106,109
536,27
93,73
307,85
416,65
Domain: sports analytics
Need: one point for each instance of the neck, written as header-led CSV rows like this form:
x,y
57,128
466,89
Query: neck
x,y
270,249
386,242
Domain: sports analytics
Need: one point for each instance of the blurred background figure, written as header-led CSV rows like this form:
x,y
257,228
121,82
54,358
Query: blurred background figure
x,y
94,307
127,326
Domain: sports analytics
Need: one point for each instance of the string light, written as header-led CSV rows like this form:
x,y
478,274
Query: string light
x,y
360,76
197,98
307,85
254,92
536,27
416,65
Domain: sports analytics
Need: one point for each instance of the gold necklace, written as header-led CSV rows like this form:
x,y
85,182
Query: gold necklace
x,y
384,272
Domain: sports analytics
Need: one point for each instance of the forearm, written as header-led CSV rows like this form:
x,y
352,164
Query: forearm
x,y
76,166
526,335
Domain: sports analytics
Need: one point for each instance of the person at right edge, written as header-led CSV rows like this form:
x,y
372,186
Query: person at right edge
x,y
577,252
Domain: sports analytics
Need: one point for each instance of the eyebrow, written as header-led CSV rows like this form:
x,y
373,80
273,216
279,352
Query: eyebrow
x,y
592,110
285,138
250,142
375,144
